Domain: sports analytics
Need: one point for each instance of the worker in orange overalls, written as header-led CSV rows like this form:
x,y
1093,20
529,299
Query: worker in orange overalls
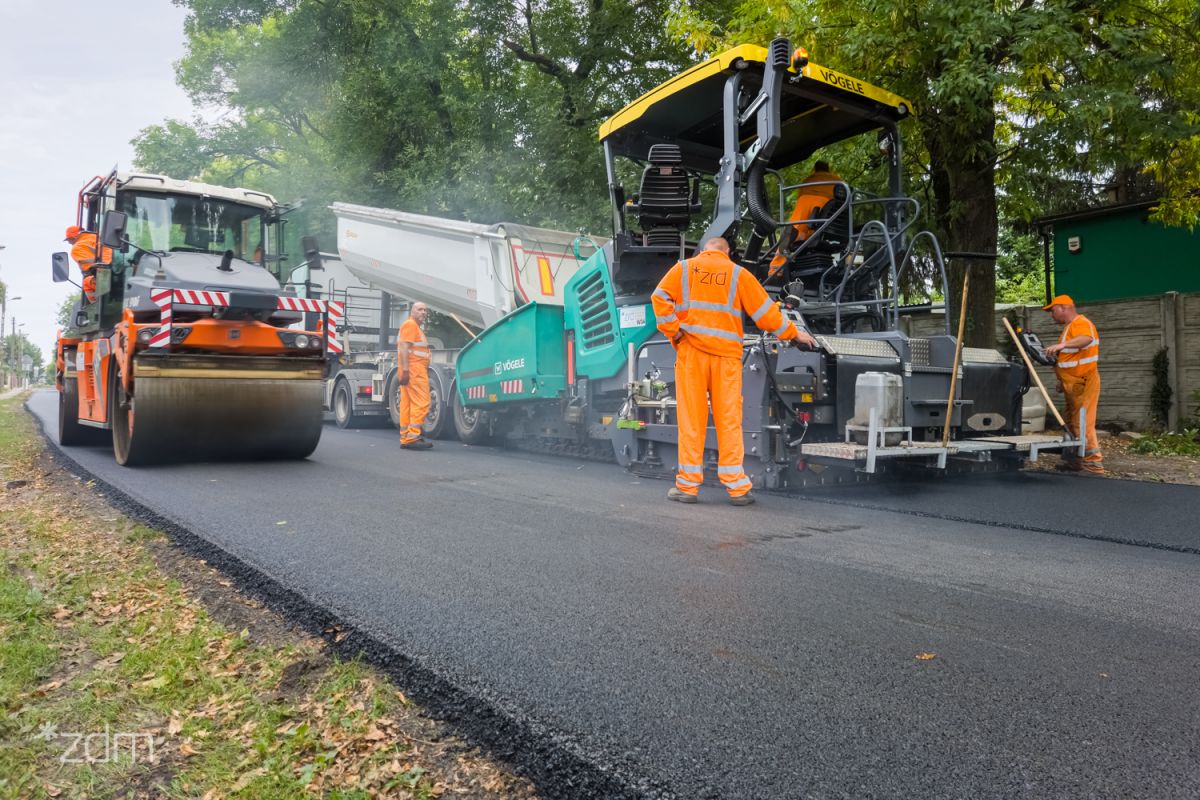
x,y
414,355
83,250
808,202
699,306
1077,366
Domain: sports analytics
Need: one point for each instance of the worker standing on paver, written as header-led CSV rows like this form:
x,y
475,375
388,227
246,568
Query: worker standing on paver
x,y
414,355
1077,365
83,250
699,306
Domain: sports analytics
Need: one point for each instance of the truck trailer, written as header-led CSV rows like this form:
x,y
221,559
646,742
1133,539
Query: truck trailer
x,y
471,274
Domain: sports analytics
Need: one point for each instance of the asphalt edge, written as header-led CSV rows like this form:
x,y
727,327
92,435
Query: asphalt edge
x,y
557,765
1015,526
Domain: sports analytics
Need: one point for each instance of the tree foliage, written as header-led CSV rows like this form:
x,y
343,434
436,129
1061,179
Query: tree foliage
x,y
1022,106
487,110
462,108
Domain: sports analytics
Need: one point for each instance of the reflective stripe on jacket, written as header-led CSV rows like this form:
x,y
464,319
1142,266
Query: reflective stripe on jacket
x,y
411,333
1078,361
705,297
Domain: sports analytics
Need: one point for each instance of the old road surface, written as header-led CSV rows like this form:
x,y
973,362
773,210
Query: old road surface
x,y
761,652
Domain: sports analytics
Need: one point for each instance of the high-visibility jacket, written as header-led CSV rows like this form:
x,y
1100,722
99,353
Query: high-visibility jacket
x,y
84,253
704,297
826,189
1078,361
808,203
418,346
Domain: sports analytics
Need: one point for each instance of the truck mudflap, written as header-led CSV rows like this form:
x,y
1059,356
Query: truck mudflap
x,y
521,357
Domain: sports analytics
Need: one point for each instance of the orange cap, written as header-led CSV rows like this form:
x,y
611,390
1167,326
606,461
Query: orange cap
x,y
72,232
1061,300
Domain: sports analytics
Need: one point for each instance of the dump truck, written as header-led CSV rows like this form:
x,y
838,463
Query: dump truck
x,y
472,274
706,154
191,349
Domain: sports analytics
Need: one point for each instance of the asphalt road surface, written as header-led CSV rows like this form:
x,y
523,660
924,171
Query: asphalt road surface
x,y
760,652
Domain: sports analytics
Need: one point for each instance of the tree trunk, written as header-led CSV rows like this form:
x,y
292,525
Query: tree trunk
x,y
964,190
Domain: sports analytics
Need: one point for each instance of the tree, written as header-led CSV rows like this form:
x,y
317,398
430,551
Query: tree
x,y
461,108
66,311
1043,99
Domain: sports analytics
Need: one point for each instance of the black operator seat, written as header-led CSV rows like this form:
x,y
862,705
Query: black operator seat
x,y
666,201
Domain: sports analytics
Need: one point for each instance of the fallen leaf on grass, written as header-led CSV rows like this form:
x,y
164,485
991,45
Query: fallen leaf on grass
x,y
62,612
926,656
174,726
51,789
186,749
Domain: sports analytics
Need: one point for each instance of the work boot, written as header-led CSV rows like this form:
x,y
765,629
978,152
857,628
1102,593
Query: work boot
x,y
1068,465
418,444
742,499
680,496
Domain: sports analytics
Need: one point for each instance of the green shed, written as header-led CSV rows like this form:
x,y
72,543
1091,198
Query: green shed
x,y
1115,252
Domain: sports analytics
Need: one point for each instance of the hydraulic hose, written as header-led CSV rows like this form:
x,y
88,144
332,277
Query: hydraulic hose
x,y
756,200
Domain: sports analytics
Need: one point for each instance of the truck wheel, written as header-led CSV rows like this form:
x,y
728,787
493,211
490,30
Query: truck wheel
x,y
343,406
393,400
436,420
471,424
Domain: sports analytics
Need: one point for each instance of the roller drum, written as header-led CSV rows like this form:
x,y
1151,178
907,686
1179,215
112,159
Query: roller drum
x,y
206,409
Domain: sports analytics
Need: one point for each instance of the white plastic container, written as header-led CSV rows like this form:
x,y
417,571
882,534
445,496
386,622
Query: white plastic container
x,y
883,391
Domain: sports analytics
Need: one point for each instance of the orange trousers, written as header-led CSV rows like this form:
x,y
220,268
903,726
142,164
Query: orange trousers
x,y
1084,391
701,378
414,401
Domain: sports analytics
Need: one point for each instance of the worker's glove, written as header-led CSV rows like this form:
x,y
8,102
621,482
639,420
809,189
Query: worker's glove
x,y
803,342
403,379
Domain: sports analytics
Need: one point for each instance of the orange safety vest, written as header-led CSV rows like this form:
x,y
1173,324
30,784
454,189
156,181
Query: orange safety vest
x,y
704,297
84,253
811,200
411,333
1078,361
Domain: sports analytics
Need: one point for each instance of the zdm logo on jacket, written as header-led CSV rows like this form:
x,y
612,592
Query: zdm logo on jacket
x,y
714,278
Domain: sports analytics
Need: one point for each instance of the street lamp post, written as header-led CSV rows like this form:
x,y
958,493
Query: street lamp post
x,y
18,350
3,312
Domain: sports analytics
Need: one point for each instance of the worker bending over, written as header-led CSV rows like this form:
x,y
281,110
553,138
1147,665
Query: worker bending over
x,y
1077,365
699,306
83,250
414,379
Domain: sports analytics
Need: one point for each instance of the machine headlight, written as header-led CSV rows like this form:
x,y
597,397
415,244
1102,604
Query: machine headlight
x,y
301,340
314,343
145,333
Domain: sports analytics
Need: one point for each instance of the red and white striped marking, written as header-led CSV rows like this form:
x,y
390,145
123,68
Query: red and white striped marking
x,y
302,304
515,386
197,298
162,299
476,392
335,311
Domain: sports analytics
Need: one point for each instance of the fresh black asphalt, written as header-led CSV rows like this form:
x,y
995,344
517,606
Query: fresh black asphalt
x,y
761,652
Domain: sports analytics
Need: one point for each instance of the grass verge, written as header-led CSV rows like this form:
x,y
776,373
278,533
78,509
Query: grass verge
x,y
130,669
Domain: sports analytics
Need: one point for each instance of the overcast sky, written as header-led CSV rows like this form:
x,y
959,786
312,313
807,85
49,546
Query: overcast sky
x,y
78,80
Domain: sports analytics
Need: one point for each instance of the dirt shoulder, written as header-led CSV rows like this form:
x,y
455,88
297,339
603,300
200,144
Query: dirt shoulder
x,y
1121,462
130,668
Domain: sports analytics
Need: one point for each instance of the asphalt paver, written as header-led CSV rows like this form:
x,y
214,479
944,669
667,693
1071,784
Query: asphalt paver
x,y
893,641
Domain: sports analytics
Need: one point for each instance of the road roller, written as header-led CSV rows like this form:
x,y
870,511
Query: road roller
x,y
187,343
